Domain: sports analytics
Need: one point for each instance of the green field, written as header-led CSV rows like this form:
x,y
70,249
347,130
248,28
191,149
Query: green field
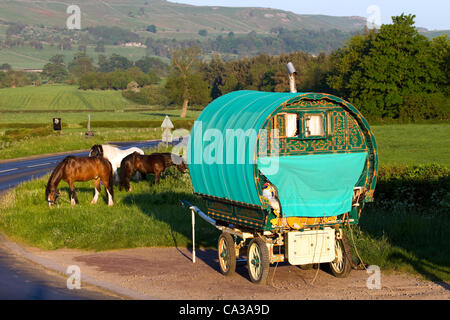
x,y
28,57
74,118
413,143
60,97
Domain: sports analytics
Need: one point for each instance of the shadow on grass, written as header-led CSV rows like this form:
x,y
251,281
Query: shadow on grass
x,y
417,240
166,207
65,195
421,267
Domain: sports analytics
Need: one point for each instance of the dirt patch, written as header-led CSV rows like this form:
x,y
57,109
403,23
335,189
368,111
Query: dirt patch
x,y
168,273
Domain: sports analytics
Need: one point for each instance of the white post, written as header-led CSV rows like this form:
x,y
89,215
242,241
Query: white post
x,y
193,236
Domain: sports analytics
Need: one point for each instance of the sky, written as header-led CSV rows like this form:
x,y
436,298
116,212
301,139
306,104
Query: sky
x,y
430,14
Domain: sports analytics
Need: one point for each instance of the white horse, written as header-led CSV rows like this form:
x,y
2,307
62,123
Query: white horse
x,y
113,155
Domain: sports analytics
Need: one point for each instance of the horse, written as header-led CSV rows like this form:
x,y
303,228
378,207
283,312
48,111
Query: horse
x,y
73,169
113,154
154,163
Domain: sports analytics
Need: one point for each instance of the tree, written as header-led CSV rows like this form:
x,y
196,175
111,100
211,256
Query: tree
x,y
81,64
203,32
5,67
185,83
383,71
100,47
55,70
151,28
117,61
197,90
146,64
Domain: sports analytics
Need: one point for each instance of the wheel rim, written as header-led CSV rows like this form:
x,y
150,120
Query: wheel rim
x,y
338,263
255,261
223,255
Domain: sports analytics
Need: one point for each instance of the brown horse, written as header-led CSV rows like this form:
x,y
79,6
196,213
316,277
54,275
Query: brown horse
x,y
73,169
155,164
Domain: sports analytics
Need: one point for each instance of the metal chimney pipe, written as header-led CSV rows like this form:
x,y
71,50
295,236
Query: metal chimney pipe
x,y
291,69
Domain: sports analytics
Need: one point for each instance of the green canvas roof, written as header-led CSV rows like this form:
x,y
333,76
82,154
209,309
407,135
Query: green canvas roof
x,y
210,171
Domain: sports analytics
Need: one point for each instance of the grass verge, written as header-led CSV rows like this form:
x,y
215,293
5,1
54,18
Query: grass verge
x,y
73,139
149,216
404,240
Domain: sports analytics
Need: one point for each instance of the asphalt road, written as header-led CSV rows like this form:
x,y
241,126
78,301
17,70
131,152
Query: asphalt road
x,y
13,173
20,279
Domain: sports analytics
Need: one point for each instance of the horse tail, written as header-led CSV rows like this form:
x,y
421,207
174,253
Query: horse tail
x,y
111,178
126,169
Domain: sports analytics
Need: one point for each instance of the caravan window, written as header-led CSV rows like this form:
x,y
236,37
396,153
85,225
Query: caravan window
x,y
314,124
291,125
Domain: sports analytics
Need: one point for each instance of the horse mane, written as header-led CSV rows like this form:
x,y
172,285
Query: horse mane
x,y
56,175
98,149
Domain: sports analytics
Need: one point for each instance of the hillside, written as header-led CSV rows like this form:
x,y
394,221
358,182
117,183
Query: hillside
x,y
170,17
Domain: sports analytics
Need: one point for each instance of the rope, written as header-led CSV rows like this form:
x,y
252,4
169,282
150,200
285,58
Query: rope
x,y
361,262
318,264
275,270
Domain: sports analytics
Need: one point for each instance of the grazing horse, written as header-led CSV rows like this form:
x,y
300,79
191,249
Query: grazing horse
x,y
155,164
73,169
113,154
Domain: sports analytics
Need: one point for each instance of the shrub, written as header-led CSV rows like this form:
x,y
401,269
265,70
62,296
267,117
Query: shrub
x,y
149,95
421,187
186,124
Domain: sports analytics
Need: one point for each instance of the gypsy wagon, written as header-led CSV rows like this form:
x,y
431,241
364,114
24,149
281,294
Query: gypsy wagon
x,y
315,151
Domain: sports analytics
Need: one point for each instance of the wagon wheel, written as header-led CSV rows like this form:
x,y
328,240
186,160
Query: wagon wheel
x,y
227,254
258,261
342,265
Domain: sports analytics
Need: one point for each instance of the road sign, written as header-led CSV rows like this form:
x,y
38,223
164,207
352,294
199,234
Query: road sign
x,y
167,134
167,124
57,124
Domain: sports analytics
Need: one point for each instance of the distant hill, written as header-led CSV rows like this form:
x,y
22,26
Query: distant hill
x,y
170,17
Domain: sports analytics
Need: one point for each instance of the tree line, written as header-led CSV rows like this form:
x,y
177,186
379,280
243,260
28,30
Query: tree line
x,y
389,73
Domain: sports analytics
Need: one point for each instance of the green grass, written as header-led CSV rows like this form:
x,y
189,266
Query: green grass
x,y
147,217
60,97
73,139
413,143
29,57
405,240
74,118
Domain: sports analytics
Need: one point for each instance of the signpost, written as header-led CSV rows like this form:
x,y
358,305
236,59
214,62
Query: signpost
x,y
89,133
167,125
57,124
